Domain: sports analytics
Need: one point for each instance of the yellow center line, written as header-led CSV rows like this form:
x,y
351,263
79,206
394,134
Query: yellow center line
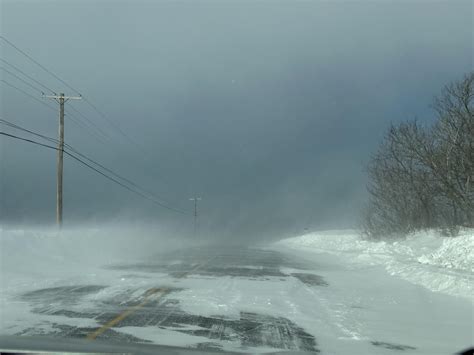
x,y
152,291
127,312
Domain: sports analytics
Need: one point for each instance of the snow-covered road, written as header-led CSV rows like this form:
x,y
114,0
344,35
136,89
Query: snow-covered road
x,y
237,299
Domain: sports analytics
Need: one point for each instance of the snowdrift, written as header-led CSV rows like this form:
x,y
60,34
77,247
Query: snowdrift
x,y
441,264
32,257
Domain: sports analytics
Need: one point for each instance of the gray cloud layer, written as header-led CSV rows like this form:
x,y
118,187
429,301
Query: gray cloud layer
x,y
268,110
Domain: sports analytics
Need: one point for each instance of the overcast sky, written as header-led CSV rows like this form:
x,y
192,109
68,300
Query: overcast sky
x,y
268,110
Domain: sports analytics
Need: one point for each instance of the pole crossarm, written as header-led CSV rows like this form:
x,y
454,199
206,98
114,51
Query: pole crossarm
x,y
63,97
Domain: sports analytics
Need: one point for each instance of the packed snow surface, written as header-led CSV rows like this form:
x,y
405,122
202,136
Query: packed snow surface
x,y
444,264
358,309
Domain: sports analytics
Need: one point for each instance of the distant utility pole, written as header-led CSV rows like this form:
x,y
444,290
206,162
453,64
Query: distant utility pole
x,y
195,199
61,99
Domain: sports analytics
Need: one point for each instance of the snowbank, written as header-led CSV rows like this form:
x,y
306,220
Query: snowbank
x,y
454,253
438,263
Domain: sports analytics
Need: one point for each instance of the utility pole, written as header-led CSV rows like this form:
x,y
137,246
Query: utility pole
x,y
195,199
61,99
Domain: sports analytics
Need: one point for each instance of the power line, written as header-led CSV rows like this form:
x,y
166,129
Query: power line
x,y
125,186
34,98
44,86
74,119
88,120
84,126
104,116
85,99
39,64
27,140
27,94
26,75
92,105
55,76
22,80
53,140
140,149
96,170
12,125
115,125
113,173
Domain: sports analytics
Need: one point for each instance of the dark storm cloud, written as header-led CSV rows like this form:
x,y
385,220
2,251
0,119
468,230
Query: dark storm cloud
x,y
268,110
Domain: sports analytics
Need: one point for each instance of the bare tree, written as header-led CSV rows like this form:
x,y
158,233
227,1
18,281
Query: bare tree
x,y
453,164
400,187
421,177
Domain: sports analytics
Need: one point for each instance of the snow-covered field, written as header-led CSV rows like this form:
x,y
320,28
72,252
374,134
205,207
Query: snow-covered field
x,y
438,263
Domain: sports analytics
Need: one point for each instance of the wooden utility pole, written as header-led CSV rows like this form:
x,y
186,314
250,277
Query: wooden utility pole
x,y
61,99
195,199
59,170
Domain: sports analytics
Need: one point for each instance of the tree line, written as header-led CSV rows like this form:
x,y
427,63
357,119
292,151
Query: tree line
x,y
421,176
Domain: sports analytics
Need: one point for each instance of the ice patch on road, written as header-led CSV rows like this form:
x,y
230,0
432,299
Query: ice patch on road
x,y
441,264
